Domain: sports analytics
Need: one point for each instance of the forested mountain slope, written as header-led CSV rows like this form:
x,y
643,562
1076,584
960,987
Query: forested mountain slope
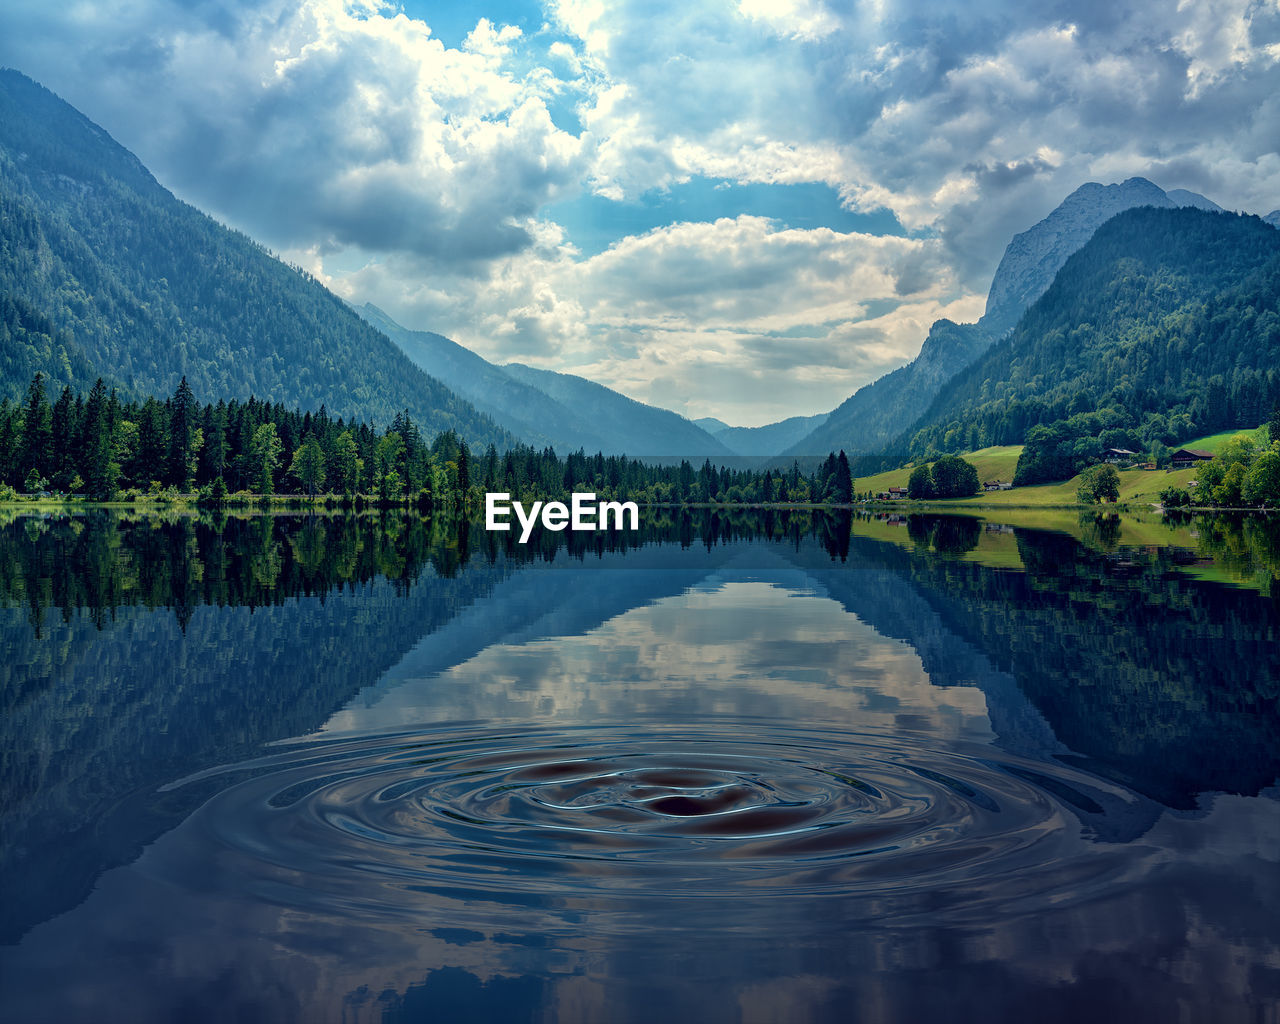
x,y
1166,324
542,407
104,272
624,425
875,415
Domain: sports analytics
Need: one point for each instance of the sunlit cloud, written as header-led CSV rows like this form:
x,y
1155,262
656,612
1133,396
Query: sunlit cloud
x,y
418,172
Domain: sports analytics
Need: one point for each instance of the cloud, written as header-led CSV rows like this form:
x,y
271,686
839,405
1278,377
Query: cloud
x,y
739,314
417,175
339,124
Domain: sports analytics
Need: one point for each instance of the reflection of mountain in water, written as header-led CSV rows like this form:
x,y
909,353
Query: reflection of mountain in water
x,y
1166,686
105,703
194,644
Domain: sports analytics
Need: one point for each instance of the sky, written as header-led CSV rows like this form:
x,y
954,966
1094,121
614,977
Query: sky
x,y
744,209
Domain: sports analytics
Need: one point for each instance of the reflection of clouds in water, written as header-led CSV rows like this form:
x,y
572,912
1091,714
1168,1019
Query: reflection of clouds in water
x,y
1187,933
737,648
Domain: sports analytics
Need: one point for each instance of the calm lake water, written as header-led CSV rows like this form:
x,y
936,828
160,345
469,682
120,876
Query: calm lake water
x,y
780,768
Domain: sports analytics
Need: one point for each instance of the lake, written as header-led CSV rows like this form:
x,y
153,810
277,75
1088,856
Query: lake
x,y
771,767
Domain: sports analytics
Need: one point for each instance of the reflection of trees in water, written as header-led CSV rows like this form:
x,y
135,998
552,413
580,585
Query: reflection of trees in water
x,y
946,535
1100,530
1245,545
1161,682
1166,684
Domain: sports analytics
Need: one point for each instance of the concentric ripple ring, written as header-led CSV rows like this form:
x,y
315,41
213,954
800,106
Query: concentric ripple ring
x,y
606,810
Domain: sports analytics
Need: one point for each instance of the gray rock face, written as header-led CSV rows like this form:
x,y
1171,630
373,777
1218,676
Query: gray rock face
x,y
1034,257
1181,197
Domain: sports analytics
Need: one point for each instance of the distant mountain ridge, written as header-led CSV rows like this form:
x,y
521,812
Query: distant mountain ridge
x,y
544,408
876,414
103,272
768,439
628,427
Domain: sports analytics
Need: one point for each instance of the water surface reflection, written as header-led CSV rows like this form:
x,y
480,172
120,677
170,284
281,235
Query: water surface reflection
x,y
818,773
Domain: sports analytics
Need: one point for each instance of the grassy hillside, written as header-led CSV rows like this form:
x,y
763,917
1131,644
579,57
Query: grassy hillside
x,y
995,463
1212,442
1137,486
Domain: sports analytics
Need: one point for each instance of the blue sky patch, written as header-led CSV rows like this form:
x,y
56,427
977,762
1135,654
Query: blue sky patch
x,y
593,223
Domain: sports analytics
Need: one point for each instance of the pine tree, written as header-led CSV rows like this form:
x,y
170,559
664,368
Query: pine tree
x,y
36,452
100,469
181,437
844,480
464,475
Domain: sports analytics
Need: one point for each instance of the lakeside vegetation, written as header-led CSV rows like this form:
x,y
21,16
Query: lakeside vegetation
x,y
103,449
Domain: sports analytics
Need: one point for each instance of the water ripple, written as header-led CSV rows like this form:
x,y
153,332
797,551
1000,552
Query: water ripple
x,y
612,810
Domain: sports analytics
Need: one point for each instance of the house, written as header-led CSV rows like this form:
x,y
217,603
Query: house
x,y
1185,458
897,492
1117,456
996,485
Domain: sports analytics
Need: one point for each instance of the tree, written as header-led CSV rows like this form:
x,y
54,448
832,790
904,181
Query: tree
x,y
843,494
1230,491
920,485
346,463
1241,449
101,471
1099,483
954,478
1273,425
264,456
464,475
387,457
308,465
37,431
180,470
1262,482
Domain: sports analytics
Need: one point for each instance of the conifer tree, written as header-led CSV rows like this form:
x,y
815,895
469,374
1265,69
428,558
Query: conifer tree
x,y
36,453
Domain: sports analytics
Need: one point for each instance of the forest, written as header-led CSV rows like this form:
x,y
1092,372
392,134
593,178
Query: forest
x,y
103,448
105,272
1165,325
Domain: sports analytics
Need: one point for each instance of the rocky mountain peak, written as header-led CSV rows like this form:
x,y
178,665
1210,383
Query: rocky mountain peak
x,y
1035,256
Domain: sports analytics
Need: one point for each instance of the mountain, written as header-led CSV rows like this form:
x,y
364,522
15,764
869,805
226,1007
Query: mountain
x,y
769,439
711,425
1034,257
545,408
625,425
1165,324
874,415
869,419
104,272
523,410
1273,218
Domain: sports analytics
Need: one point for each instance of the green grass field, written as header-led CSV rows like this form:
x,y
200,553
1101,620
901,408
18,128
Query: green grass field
x,y
991,464
1137,486
1213,442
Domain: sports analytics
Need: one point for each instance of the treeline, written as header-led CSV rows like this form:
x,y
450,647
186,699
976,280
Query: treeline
x,y
1164,326
102,447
